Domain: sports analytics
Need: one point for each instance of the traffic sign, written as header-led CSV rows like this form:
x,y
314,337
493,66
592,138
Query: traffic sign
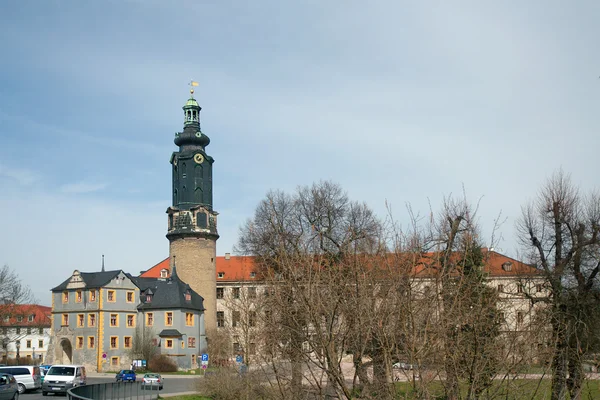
x,y
204,356
104,355
239,359
204,362
204,366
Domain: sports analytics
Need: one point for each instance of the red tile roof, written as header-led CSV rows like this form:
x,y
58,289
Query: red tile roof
x,y
241,268
13,311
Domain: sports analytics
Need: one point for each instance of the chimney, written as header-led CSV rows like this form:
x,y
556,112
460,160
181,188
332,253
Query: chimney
x,y
227,256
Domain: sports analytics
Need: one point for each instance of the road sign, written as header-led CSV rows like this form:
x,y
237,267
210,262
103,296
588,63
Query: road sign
x,y
204,362
239,359
204,356
104,355
204,366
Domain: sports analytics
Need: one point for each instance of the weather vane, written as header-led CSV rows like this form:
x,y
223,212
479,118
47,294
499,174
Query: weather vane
x,y
192,83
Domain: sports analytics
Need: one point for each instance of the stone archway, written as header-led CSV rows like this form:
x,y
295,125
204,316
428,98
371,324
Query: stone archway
x,y
64,352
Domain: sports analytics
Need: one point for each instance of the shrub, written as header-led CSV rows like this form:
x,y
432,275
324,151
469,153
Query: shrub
x,y
228,384
162,363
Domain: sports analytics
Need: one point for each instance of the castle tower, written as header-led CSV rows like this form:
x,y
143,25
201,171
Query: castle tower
x,y
192,230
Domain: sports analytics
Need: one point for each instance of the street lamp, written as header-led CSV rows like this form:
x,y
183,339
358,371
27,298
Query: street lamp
x,y
18,346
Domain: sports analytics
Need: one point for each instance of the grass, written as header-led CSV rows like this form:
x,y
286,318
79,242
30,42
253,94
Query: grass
x,y
517,389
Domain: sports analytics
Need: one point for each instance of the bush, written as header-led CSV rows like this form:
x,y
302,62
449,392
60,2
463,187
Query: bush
x,y
162,363
228,384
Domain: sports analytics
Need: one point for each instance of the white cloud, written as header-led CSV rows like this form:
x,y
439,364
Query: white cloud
x,y
21,175
82,187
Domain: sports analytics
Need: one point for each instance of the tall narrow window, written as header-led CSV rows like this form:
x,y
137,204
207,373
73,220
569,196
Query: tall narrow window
x,y
80,320
114,320
130,320
40,343
235,318
79,343
92,296
149,319
189,319
236,292
220,319
65,297
91,320
111,296
91,342
65,320
78,296
130,297
114,342
169,318
201,220
220,292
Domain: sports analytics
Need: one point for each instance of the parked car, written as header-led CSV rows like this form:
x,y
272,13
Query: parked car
x,y
401,365
125,375
152,381
9,389
28,376
61,378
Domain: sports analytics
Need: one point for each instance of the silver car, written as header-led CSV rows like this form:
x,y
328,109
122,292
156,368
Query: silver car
x,y
152,381
9,390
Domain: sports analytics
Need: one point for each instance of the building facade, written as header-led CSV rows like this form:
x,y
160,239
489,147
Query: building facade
x,y
99,318
25,332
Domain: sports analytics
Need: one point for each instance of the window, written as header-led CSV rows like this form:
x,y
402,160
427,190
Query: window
x,y
192,342
164,273
80,320
539,288
65,297
114,319
519,318
114,342
28,343
40,343
18,331
169,343
148,297
65,320
194,361
91,342
252,274
189,319
149,319
91,320
220,292
519,288
201,220
111,296
29,331
92,296
251,292
235,318
221,275
236,292
220,319
79,342
41,331
20,318
127,342
182,344
237,348
31,318
500,288
252,318
130,297
131,320
188,296
114,361
78,296
169,318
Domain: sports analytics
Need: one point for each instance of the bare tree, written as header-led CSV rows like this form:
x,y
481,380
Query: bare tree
x,y
143,345
560,231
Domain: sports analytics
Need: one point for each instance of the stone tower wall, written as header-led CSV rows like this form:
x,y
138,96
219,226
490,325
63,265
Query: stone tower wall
x,y
196,265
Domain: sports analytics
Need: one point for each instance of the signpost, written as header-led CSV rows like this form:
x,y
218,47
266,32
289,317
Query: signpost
x,y
204,361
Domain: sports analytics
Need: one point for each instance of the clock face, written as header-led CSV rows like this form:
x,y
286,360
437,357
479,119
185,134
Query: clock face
x,y
199,158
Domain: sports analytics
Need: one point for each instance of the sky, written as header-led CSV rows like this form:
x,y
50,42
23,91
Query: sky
x,y
398,102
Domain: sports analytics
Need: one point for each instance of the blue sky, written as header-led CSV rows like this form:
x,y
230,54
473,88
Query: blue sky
x,y
399,102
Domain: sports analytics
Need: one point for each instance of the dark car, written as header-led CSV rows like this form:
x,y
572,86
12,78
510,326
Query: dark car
x,y
125,375
9,390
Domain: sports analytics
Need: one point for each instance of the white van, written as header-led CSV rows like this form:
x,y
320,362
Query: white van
x,y
61,378
28,376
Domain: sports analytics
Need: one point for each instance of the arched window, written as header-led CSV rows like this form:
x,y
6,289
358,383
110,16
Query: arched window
x,y
164,273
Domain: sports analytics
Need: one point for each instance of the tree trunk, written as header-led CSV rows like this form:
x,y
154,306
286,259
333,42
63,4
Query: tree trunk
x,y
559,360
576,376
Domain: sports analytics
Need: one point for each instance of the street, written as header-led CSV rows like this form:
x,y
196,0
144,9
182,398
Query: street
x,y
172,384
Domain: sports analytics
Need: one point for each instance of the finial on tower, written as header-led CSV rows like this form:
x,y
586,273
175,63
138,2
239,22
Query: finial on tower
x,y
102,262
192,83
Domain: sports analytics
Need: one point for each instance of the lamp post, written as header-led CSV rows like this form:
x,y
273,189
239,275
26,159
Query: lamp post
x,y
18,344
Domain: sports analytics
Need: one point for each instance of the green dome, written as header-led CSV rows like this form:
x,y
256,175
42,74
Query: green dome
x,y
191,103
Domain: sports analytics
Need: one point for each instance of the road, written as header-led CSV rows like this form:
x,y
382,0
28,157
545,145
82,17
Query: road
x,y
172,384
